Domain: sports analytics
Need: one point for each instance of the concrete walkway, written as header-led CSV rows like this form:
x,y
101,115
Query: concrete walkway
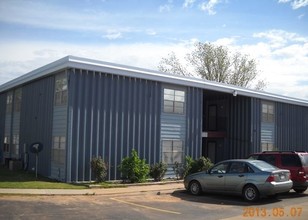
x,y
98,191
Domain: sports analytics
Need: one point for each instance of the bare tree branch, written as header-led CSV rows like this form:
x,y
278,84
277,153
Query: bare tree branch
x,y
216,63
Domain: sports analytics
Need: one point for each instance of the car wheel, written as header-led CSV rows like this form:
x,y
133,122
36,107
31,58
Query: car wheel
x,y
195,188
300,190
251,193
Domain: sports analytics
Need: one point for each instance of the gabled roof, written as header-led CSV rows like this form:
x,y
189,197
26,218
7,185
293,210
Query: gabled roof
x,y
123,70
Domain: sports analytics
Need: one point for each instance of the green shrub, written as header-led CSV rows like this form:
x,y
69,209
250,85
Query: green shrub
x,y
158,171
194,166
179,170
134,169
99,168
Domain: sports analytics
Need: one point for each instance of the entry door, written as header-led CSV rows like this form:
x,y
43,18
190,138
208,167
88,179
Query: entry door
x,y
211,151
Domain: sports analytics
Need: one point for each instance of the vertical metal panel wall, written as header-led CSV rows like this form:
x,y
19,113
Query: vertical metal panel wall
x,y
194,122
291,127
109,115
239,134
59,128
255,125
2,123
36,120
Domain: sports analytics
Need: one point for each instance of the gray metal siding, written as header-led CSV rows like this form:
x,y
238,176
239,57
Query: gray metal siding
x,y
2,123
291,127
239,134
194,122
268,133
255,125
59,128
109,115
36,120
59,121
173,126
16,122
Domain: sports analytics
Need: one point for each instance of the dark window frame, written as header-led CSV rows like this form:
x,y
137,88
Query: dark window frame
x,y
58,149
176,147
61,89
174,101
268,112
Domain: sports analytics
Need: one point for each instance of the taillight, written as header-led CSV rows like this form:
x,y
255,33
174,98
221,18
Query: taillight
x,y
271,178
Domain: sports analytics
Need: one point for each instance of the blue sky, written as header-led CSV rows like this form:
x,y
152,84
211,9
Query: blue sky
x,y
139,33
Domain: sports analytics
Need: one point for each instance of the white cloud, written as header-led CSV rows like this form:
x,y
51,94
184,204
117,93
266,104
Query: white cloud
x,y
166,7
283,61
112,35
285,68
188,3
151,32
226,41
279,38
37,15
209,6
24,56
295,4
299,3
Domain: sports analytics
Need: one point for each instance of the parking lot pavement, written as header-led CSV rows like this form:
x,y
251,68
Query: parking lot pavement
x,y
98,191
170,201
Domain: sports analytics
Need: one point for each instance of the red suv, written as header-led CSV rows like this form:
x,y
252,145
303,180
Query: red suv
x,y
296,162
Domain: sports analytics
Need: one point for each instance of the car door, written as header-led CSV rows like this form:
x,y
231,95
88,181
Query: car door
x,y
215,180
236,176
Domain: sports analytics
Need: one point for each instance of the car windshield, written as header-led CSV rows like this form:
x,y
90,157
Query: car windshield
x,y
263,165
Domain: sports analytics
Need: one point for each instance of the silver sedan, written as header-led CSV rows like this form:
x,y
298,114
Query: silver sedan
x,y
248,178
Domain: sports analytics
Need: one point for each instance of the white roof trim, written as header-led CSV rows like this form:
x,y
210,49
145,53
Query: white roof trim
x,y
123,70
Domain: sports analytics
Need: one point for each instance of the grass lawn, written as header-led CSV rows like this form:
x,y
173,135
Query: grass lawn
x,y
27,180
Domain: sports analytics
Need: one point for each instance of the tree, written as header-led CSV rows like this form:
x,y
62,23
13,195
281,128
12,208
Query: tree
x,y
215,63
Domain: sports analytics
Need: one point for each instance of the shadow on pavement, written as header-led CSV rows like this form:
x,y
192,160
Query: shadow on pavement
x,y
232,200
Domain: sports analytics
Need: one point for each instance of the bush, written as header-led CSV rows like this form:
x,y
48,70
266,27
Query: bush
x,y
194,166
134,169
158,171
179,170
99,168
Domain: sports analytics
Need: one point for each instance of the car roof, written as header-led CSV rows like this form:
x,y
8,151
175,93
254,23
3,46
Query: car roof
x,y
281,152
235,160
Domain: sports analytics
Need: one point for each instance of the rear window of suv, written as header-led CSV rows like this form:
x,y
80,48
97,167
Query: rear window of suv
x,y
268,158
290,160
304,159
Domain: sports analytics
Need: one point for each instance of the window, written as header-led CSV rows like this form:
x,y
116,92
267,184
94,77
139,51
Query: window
x,y
172,151
9,102
267,112
174,101
290,160
61,90
238,167
212,118
220,168
15,145
17,100
266,146
271,159
6,144
58,149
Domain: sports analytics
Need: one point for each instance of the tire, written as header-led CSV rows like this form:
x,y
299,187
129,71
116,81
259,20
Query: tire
x,y
300,190
251,193
195,188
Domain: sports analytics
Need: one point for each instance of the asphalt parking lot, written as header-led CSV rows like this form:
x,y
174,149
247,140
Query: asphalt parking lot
x,y
164,203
